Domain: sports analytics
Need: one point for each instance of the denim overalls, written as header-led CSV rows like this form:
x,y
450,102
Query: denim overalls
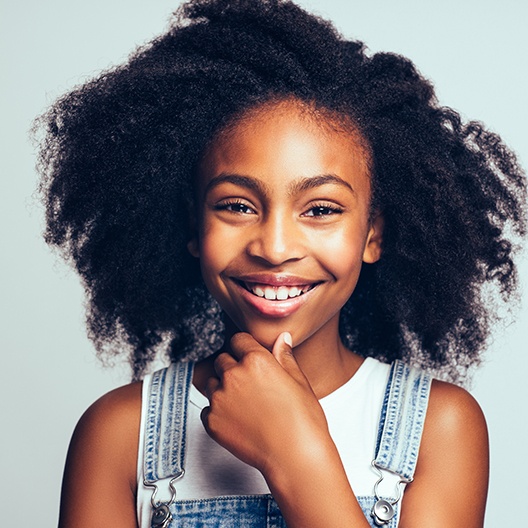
x,y
399,435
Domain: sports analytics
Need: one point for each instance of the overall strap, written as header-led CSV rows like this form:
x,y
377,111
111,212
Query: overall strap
x,y
164,448
402,420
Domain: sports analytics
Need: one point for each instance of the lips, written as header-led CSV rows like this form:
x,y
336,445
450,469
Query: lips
x,y
275,295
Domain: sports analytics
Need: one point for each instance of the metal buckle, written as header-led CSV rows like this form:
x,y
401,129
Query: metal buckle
x,y
161,515
383,510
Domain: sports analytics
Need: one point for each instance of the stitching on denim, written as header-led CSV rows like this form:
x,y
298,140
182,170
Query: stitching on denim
x,y
403,420
164,452
383,413
152,427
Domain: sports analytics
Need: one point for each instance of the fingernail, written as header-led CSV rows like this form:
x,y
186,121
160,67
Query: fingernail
x,y
287,338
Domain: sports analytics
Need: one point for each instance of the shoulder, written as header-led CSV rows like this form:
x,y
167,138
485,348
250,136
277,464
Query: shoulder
x,y
120,403
100,475
453,414
110,427
118,411
455,428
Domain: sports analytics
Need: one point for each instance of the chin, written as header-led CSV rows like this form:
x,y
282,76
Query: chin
x,y
266,338
266,334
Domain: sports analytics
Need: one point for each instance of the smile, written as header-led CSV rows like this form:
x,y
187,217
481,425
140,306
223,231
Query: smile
x,y
275,296
276,293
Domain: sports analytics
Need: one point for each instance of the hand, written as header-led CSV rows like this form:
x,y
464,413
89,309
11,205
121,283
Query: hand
x,y
262,407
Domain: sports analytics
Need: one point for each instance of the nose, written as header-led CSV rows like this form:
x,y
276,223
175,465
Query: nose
x,y
278,238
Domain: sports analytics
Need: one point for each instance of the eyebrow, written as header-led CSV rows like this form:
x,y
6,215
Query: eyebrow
x,y
238,179
303,184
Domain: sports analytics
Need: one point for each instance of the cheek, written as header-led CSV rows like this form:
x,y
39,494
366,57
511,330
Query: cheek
x,y
343,253
217,249
211,256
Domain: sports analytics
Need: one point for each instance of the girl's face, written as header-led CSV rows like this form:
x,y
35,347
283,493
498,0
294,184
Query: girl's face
x,y
284,222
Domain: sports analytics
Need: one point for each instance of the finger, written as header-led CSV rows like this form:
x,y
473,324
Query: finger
x,y
282,349
224,362
211,385
208,422
282,352
204,416
243,344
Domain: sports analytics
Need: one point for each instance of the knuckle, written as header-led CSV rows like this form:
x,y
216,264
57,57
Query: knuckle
x,y
214,404
215,425
252,358
255,360
240,339
220,361
229,376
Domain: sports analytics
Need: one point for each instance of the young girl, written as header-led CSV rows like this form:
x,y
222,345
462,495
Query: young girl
x,y
288,217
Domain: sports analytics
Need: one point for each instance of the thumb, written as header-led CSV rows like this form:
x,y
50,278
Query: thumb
x,y
282,352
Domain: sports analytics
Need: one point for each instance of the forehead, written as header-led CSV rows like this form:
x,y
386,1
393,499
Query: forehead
x,y
280,141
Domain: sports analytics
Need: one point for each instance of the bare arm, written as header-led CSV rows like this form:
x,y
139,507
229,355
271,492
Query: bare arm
x,y
99,486
451,479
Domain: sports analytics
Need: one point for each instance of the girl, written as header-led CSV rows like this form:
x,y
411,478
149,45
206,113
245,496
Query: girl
x,y
268,203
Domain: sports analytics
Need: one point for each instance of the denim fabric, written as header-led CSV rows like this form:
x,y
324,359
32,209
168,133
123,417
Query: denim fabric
x,y
251,511
164,450
403,417
400,429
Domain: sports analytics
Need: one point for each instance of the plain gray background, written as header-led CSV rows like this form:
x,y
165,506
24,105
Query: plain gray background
x,y
475,51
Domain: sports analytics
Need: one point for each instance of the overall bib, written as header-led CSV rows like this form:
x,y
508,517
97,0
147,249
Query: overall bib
x,y
399,434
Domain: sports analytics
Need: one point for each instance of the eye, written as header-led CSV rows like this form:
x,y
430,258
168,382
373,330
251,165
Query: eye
x,y
323,210
234,206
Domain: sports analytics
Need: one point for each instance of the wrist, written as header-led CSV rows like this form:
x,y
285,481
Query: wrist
x,y
300,462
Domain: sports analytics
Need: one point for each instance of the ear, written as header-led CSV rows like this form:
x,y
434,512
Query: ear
x,y
373,247
192,247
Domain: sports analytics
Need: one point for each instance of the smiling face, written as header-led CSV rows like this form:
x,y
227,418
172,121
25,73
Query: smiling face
x,y
284,222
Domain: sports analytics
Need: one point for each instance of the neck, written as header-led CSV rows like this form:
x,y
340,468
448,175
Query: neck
x,y
325,361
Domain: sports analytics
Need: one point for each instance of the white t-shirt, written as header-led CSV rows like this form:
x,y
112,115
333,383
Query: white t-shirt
x,y
352,412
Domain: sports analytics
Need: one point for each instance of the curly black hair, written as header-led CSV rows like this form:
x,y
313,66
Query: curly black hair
x,y
119,155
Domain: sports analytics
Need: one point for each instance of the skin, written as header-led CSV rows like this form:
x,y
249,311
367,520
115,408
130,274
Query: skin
x,y
283,198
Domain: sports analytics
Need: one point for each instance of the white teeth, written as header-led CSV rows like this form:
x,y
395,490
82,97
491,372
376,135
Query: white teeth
x,y
270,293
280,293
258,291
